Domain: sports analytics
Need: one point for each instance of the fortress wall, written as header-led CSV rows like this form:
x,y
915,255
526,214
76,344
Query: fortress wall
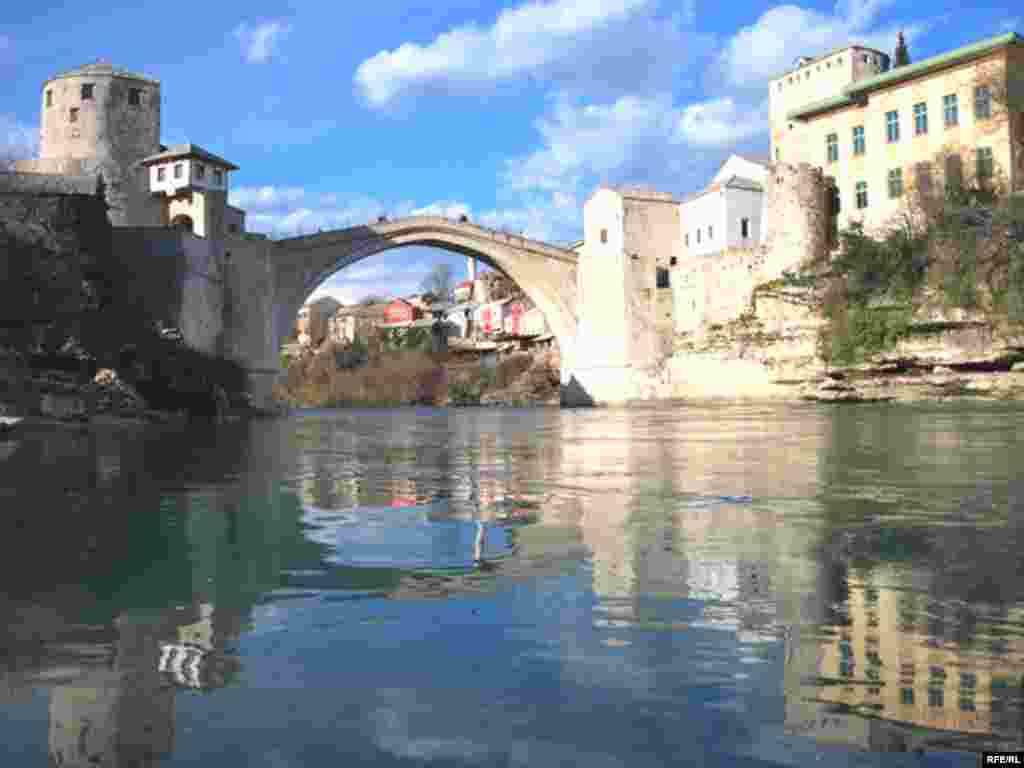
x,y
179,276
712,290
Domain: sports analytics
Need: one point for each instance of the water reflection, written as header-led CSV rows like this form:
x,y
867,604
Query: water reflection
x,y
499,586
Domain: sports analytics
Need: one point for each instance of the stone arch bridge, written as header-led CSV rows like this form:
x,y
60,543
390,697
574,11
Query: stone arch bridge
x,y
266,282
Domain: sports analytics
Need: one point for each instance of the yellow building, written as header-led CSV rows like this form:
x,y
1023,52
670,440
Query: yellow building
x,y
883,130
904,658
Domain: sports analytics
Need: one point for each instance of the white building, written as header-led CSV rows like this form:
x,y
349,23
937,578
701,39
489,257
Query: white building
x,y
727,213
192,185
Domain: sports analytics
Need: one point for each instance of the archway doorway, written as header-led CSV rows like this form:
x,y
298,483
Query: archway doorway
x,y
182,223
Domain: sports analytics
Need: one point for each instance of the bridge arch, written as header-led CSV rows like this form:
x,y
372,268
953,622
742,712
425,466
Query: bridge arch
x,y
545,273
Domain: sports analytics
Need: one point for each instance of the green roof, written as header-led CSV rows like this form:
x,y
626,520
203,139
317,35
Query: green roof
x,y
956,56
833,102
855,91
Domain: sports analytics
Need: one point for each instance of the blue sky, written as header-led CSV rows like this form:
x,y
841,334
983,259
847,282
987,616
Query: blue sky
x,y
510,112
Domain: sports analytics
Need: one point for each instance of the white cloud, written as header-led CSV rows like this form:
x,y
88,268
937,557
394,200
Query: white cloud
x,y
18,140
720,122
568,40
266,198
447,208
782,33
260,43
647,140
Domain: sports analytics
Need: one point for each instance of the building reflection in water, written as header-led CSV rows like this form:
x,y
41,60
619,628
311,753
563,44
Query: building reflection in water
x,y
895,667
112,688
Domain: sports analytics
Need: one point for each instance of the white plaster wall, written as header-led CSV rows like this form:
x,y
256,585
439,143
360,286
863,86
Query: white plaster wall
x,y
600,289
740,204
697,214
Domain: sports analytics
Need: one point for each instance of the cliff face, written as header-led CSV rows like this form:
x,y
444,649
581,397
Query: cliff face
x,y
772,351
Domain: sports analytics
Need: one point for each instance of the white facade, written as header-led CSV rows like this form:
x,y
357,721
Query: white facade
x,y
726,215
175,174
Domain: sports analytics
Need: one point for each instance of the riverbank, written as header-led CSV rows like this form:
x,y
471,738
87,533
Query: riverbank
x,y
339,377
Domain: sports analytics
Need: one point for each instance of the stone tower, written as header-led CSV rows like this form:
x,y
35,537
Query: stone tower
x,y
796,212
100,120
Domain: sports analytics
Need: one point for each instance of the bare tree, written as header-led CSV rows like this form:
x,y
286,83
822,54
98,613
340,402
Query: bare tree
x,y
439,282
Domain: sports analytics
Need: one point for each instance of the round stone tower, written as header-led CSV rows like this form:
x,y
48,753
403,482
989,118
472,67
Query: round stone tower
x,y
795,212
100,120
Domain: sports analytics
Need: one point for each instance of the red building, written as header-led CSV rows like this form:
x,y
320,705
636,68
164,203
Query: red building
x,y
400,312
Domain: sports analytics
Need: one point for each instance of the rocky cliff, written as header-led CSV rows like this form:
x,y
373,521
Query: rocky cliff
x,y
773,351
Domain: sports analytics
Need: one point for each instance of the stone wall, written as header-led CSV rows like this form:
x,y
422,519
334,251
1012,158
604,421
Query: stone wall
x,y
254,324
179,276
49,244
22,183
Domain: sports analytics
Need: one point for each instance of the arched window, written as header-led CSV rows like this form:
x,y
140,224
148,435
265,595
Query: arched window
x,y
182,223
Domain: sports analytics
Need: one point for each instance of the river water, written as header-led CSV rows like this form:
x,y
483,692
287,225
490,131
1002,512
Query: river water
x,y
722,585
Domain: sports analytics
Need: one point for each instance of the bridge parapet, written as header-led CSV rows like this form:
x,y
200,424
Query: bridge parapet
x,y
438,225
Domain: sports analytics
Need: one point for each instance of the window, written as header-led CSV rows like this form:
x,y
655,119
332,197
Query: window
x,y
862,194
218,176
986,166
161,173
982,103
698,236
687,238
950,110
73,115
200,171
49,98
895,182
858,140
178,169
711,232
780,86
673,261
604,235
744,228
832,147
907,696
778,155
936,697
661,277
87,91
134,96
920,119
892,126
